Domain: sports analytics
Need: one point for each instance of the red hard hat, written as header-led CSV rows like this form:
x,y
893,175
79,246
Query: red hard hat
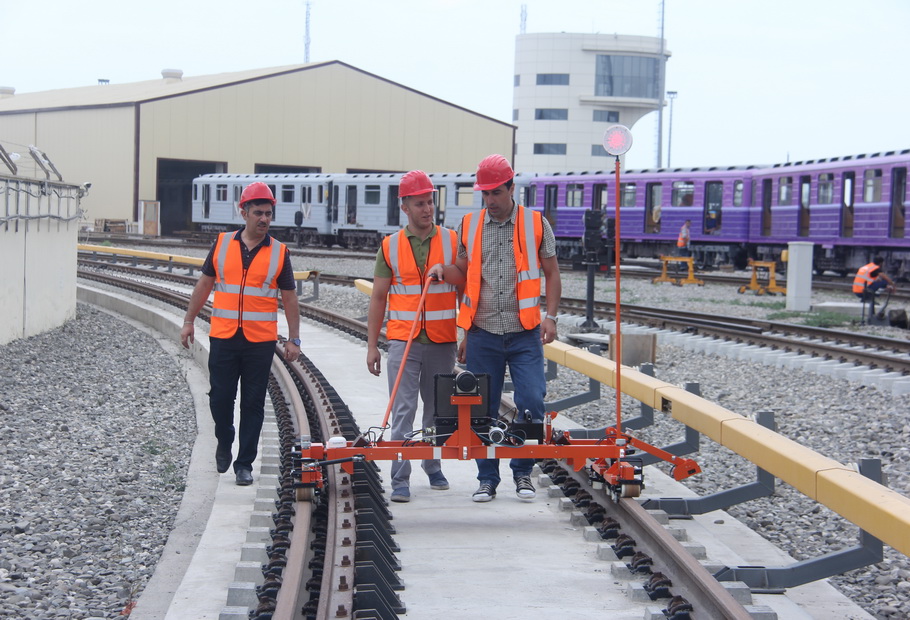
x,y
256,191
415,183
492,172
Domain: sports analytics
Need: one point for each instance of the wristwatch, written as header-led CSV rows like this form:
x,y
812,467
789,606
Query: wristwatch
x,y
295,341
553,318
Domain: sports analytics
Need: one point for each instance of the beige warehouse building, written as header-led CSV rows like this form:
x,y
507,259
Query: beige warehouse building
x,y
146,141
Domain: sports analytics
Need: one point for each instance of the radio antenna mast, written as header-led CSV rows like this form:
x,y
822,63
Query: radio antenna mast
x,y
306,38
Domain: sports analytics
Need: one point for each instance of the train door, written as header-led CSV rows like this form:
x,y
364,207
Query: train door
x,y
393,210
599,199
549,204
767,187
805,190
714,198
848,182
441,205
350,206
898,204
206,200
653,194
331,211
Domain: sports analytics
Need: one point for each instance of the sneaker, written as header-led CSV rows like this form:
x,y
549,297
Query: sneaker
x,y
524,488
439,482
484,493
401,495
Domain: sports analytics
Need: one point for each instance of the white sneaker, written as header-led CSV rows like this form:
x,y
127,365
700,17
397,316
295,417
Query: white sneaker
x,y
524,488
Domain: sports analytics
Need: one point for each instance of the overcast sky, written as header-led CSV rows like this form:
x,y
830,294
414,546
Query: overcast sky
x,y
758,82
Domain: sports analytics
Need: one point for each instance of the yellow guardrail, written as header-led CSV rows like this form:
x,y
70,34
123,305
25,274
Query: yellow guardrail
x,y
170,258
873,507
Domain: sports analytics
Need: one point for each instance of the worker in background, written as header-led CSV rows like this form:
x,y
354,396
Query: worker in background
x,y
683,242
247,269
502,252
399,277
870,279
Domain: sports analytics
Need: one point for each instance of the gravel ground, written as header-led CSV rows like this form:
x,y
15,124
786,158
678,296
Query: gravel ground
x,y
117,449
96,431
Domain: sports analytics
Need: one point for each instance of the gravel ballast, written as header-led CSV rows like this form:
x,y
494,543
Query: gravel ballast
x,y
97,425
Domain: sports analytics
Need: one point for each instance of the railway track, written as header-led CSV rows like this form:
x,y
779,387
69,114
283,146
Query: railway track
x,y
332,554
858,348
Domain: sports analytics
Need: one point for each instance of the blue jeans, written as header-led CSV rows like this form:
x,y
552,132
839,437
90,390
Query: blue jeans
x,y
231,360
523,353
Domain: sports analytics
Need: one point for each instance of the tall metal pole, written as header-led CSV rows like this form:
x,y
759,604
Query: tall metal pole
x,y
660,90
671,95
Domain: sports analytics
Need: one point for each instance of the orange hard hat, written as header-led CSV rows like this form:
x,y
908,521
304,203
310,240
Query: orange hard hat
x,y
415,183
256,191
492,172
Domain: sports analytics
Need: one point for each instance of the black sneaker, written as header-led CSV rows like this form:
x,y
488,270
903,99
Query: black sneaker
x,y
524,488
484,493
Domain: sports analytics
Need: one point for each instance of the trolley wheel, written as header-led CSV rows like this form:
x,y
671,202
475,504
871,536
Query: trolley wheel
x,y
742,290
760,291
630,490
305,494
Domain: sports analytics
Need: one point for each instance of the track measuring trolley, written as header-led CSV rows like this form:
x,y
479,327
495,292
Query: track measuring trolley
x,y
464,431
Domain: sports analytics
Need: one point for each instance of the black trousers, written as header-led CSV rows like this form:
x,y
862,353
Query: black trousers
x,y
231,360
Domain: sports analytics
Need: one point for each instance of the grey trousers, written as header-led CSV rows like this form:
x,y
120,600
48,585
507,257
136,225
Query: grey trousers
x,y
424,362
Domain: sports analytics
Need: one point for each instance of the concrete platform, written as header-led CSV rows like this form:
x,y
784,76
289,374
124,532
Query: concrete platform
x,y
504,559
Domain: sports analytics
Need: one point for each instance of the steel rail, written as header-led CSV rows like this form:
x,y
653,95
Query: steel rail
x,y
690,579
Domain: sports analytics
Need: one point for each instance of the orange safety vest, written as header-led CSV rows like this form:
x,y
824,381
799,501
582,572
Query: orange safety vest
x,y
683,237
526,244
863,277
438,316
246,298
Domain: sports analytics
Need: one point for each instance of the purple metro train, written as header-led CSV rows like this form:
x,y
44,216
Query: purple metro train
x,y
851,208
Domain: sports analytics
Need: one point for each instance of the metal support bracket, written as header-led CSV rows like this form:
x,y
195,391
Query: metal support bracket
x,y
683,506
775,580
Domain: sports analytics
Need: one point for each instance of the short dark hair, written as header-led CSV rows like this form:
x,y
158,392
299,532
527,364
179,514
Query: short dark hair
x,y
878,260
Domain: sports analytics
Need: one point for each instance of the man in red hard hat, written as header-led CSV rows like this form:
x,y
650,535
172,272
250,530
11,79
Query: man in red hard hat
x,y
398,279
502,252
248,270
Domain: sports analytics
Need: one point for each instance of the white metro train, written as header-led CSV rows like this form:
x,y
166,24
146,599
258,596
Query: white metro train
x,y
349,210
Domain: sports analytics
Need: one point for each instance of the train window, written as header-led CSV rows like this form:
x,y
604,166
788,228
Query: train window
x,y
575,194
628,193
238,192
371,195
847,184
738,187
441,205
273,190
872,185
785,191
308,191
464,195
320,194
221,193
825,188
683,193
287,193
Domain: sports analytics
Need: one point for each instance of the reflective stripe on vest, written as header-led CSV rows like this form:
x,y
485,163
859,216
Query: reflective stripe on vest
x,y
246,298
528,234
438,316
863,277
